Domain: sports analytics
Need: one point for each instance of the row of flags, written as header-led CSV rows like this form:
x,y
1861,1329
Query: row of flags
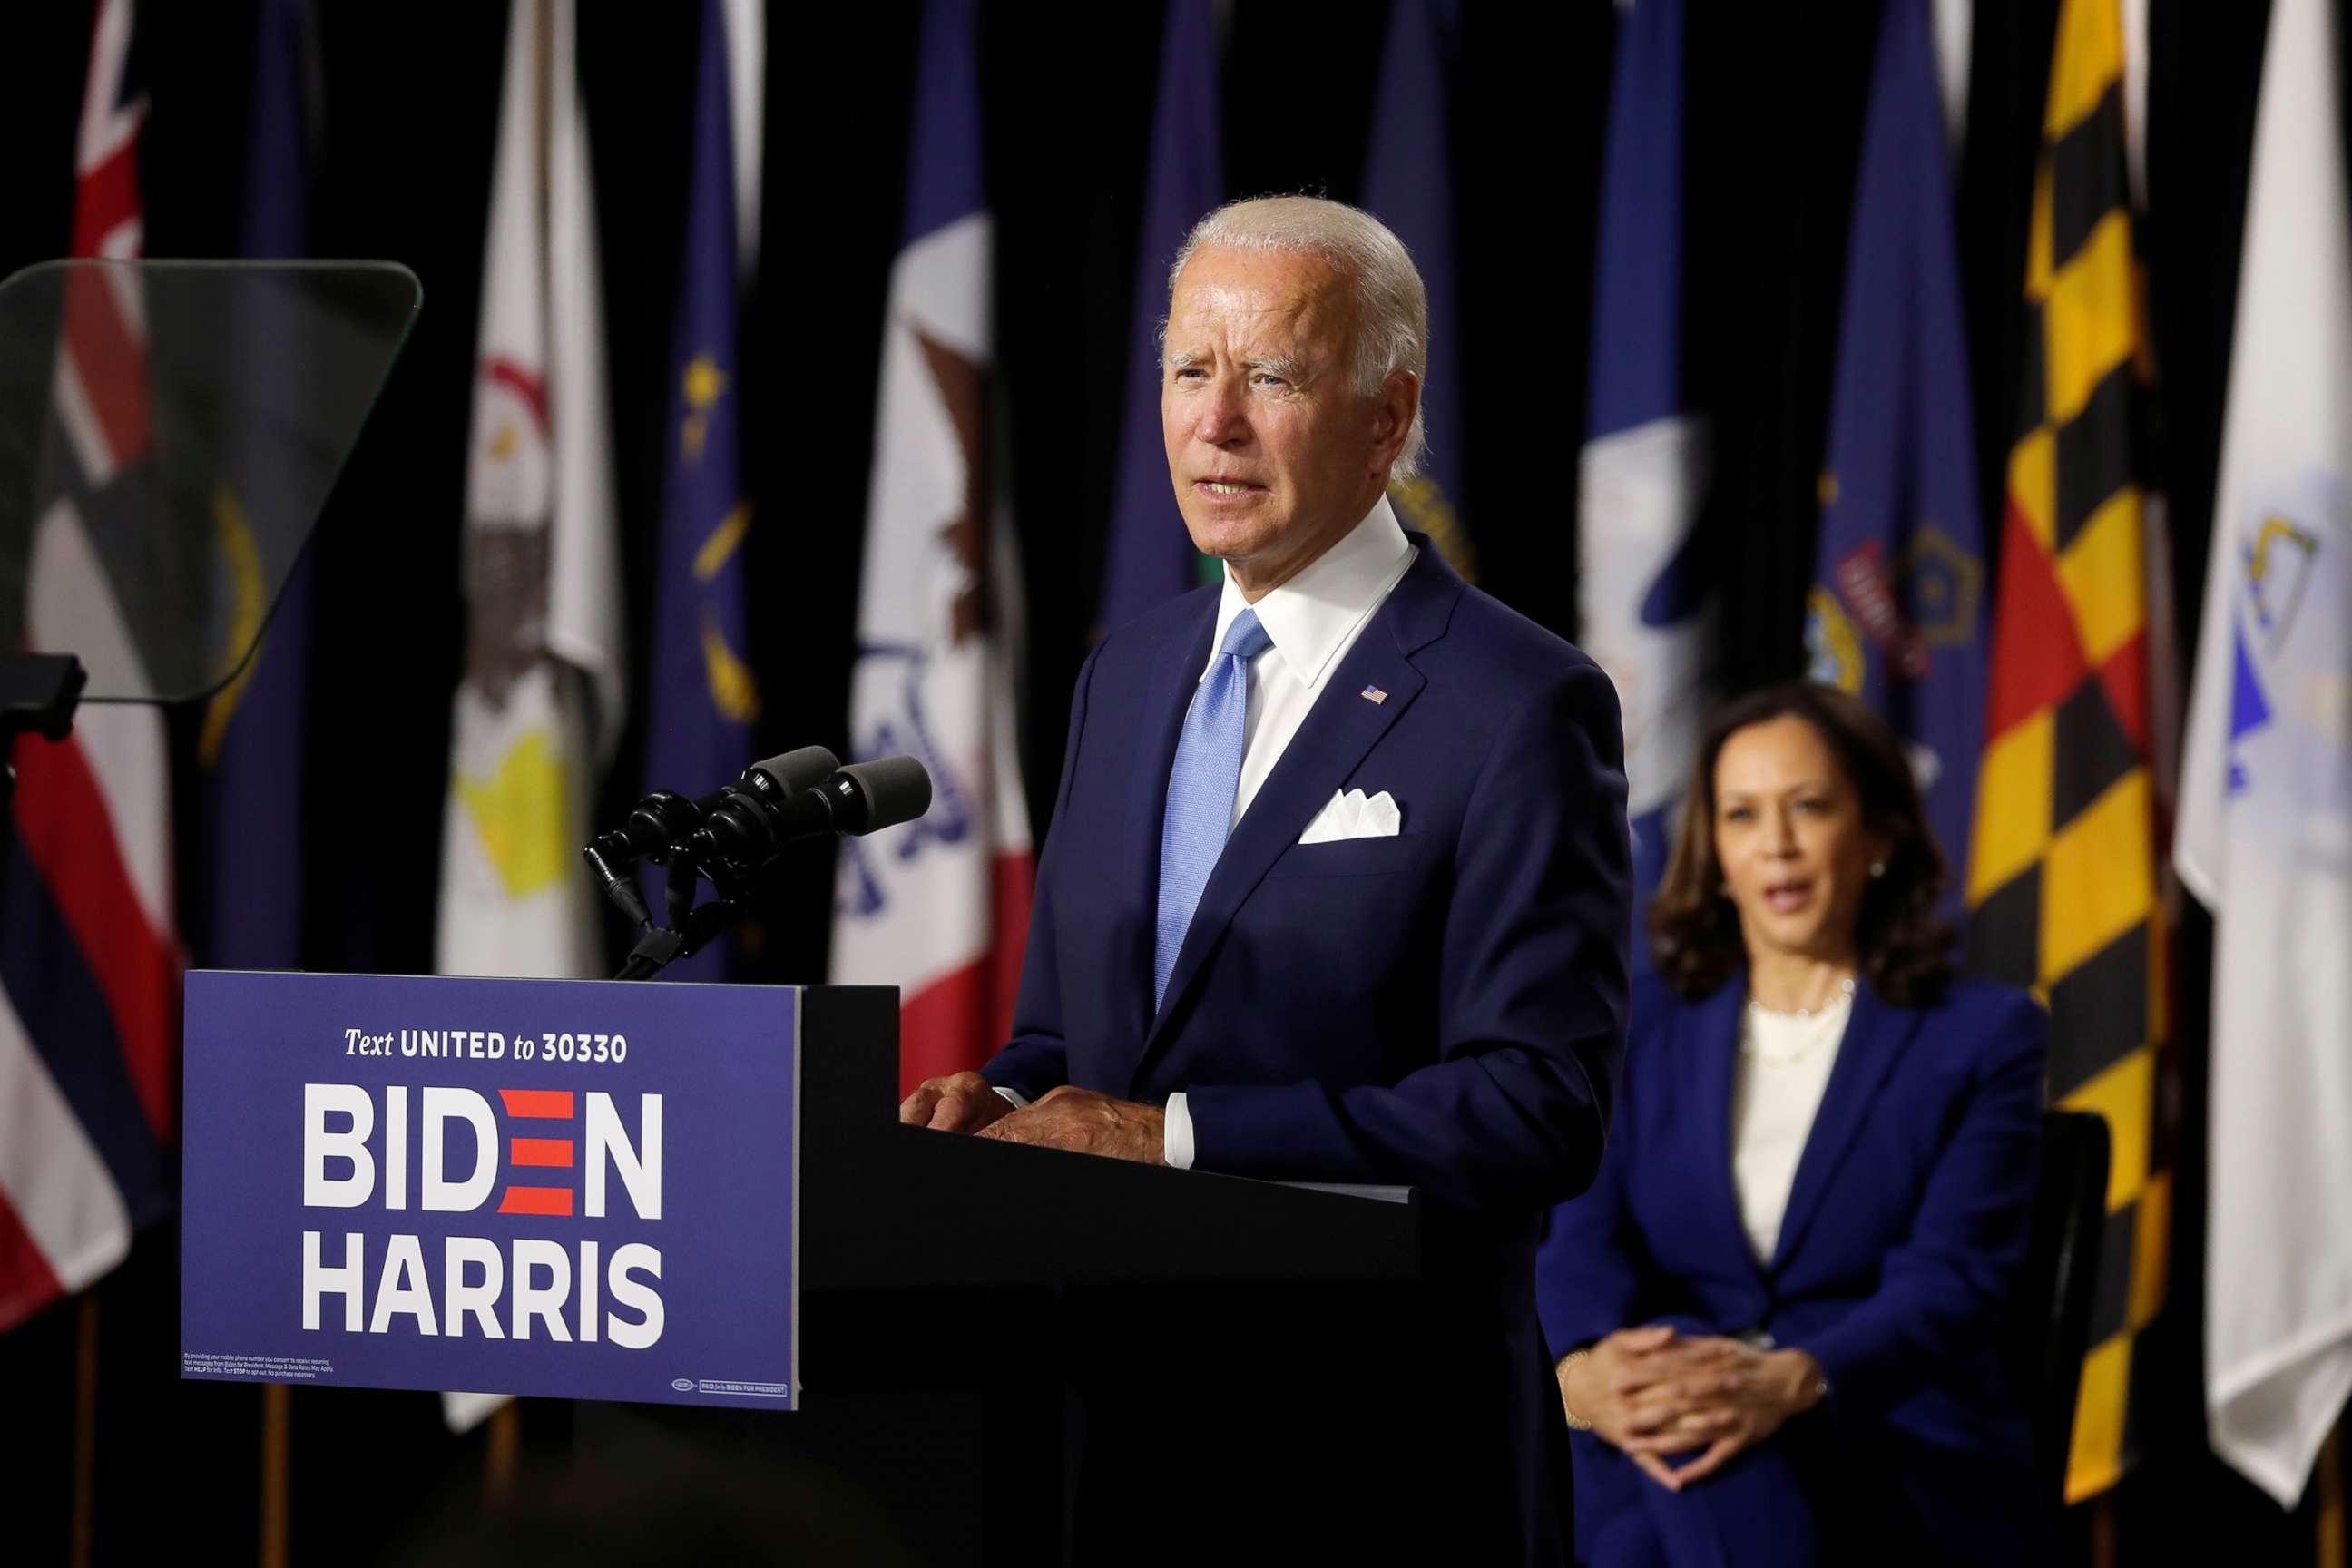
x,y
2026,698
2033,704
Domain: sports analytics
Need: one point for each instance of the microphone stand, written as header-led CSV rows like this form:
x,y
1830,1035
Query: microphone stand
x,y
661,946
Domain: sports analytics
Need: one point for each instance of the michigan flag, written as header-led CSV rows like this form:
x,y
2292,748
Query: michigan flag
x,y
1408,185
2265,830
1897,611
2062,881
1640,611
1149,557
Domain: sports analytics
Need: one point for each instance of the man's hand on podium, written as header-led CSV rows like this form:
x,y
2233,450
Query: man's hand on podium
x,y
1090,1123
960,1102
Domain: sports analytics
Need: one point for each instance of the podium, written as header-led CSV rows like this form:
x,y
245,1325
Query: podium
x,y
935,1270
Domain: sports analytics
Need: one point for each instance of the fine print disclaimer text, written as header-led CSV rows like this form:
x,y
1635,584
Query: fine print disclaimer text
x,y
269,1368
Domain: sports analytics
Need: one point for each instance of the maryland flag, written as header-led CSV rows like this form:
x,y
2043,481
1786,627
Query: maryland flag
x,y
2063,881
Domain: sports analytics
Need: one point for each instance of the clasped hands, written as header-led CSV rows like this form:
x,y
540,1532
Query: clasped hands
x,y
1064,1118
1654,1393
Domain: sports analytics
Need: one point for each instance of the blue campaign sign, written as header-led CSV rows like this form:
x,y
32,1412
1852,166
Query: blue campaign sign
x,y
577,1189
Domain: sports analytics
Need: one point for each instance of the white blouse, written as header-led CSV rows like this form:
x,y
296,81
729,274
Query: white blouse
x,y
1784,1065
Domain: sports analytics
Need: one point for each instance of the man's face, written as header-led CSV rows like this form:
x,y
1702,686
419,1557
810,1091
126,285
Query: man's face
x,y
1274,454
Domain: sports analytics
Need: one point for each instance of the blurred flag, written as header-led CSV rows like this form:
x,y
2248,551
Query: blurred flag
x,y
941,907
2265,835
1897,611
704,701
1408,185
540,701
252,744
2062,881
1643,611
1149,556
89,957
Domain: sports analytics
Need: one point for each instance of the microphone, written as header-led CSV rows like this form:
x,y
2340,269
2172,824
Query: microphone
x,y
664,819
750,824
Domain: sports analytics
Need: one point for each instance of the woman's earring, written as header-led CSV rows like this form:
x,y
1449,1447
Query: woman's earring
x,y
1878,868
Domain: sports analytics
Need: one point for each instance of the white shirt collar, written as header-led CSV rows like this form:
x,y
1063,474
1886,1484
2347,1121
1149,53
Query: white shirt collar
x,y
1310,617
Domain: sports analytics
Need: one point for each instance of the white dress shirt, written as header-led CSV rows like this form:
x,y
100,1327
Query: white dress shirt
x,y
1784,1065
1311,621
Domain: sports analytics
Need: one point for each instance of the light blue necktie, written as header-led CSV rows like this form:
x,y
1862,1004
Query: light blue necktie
x,y
1201,791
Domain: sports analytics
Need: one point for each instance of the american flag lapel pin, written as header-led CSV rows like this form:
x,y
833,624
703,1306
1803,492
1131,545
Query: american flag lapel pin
x,y
1373,695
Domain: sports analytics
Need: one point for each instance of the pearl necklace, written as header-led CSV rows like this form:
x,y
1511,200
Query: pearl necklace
x,y
1838,998
1782,1039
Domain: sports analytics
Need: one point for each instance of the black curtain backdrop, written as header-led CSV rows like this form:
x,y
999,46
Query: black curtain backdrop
x,y
1774,97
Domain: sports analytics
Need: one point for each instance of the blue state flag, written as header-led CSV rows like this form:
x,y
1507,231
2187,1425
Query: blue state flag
x,y
1149,557
1643,611
703,700
1408,185
252,744
1896,614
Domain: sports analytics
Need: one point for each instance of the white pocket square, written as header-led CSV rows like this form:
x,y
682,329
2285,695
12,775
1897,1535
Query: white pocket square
x,y
1354,815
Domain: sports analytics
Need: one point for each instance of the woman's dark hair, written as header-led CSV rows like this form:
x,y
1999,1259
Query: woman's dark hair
x,y
1903,947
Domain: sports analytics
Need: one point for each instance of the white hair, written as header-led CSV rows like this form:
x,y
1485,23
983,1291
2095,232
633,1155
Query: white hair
x,y
1392,332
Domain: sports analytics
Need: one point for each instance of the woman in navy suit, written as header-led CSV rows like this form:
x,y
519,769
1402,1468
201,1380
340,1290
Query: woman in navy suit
x,y
1774,1312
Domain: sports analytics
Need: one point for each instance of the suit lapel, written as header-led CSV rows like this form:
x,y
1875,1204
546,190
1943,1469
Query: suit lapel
x,y
1875,1034
1711,1051
1174,678
1339,729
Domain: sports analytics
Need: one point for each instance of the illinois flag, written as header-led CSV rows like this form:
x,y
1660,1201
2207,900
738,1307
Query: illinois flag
x,y
541,702
940,907
2265,827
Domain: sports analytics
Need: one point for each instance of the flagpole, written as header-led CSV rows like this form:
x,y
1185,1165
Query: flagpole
x,y
2327,1535
85,1450
276,1418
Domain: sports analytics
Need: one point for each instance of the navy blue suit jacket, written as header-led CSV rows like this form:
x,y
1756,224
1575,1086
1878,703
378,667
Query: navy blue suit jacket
x,y
1905,1228
1444,1008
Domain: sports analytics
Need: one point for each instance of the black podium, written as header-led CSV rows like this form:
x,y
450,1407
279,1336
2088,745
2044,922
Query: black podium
x,y
936,1271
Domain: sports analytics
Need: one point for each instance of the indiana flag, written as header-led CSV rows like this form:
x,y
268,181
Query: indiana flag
x,y
2265,827
1642,613
1408,185
1897,611
251,747
705,699
541,702
89,954
940,907
2061,872
1149,558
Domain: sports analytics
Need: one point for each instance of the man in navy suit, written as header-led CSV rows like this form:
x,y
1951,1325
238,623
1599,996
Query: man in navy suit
x,y
1337,889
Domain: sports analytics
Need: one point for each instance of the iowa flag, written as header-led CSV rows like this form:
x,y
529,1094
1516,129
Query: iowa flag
x,y
941,907
2062,881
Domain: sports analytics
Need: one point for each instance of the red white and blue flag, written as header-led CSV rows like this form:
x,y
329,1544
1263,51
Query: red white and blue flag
x,y
90,966
940,907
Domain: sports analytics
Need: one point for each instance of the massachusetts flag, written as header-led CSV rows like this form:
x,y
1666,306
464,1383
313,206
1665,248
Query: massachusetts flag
x,y
1408,185
2264,837
941,907
1896,614
1640,610
90,959
1149,556
541,702
704,701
